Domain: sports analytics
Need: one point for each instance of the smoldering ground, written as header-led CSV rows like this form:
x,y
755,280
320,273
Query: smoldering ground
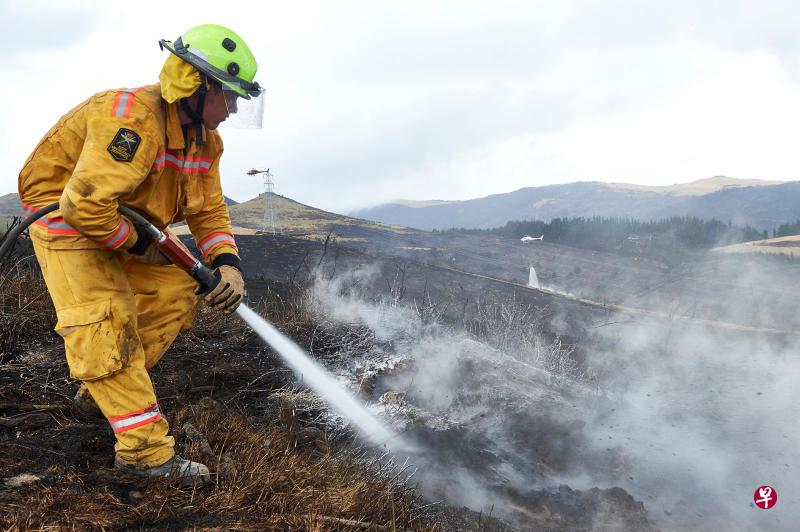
x,y
689,419
489,429
701,415
700,418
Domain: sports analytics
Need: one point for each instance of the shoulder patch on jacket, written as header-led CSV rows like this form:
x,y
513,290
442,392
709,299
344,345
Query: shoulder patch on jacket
x,y
124,145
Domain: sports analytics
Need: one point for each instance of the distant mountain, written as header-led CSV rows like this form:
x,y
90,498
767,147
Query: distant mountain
x,y
699,187
762,204
414,204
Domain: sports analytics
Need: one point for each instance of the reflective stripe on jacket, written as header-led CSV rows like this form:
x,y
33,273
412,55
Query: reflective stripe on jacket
x,y
114,148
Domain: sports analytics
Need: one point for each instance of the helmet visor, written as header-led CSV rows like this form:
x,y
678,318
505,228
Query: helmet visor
x,y
245,114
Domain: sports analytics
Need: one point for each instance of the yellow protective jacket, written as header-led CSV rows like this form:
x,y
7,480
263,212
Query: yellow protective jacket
x,y
125,146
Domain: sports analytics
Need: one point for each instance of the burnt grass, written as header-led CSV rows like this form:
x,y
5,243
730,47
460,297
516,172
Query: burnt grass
x,y
277,461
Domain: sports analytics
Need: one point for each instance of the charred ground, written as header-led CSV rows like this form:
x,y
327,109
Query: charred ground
x,y
277,462
281,461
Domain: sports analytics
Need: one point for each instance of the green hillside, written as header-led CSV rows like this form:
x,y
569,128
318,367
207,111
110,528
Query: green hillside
x,y
9,208
10,205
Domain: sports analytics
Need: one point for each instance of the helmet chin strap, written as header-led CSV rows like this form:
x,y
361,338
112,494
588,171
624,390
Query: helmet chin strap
x,y
196,114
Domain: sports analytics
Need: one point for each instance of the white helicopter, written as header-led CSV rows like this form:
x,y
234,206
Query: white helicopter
x,y
527,238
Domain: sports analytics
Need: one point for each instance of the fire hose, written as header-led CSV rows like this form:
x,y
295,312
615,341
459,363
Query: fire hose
x,y
167,244
313,375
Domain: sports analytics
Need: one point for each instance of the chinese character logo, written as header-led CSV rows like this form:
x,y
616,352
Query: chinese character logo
x,y
765,497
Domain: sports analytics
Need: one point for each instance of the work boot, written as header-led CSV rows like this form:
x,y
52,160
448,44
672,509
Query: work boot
x,y
84,402
185,473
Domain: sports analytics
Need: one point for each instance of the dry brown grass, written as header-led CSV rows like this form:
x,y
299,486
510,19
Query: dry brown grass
x,y
516,328
26,310
275,477
280,303
275,467
789,246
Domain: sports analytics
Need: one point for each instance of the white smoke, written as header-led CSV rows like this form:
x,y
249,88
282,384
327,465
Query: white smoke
x,y
342,299
452,385
689,419
701,417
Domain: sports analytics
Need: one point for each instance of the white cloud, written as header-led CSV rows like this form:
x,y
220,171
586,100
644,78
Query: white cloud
x,y
373,101
740,117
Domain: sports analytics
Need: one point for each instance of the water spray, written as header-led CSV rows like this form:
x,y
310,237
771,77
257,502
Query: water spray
x,y
311,373
316,377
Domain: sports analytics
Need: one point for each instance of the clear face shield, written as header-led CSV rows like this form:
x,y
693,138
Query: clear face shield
x,y
242,113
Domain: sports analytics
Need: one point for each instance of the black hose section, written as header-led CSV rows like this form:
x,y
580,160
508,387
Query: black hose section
x,y
11,237
206,277
140,220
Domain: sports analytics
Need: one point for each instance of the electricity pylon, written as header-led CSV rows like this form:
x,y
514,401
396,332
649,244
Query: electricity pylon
x,y
269,191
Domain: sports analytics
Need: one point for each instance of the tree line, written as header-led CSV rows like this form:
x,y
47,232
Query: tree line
x,y
787,229
666,239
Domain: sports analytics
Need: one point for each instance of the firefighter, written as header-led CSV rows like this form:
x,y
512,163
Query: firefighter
x,y
119,303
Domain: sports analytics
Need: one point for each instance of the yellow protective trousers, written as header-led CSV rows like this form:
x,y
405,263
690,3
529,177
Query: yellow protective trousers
x,y
118,316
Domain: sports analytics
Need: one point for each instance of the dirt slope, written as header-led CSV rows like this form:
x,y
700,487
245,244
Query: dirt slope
x,y
295,218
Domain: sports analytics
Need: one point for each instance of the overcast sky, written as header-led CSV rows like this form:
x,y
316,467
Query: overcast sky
x,y
372,101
